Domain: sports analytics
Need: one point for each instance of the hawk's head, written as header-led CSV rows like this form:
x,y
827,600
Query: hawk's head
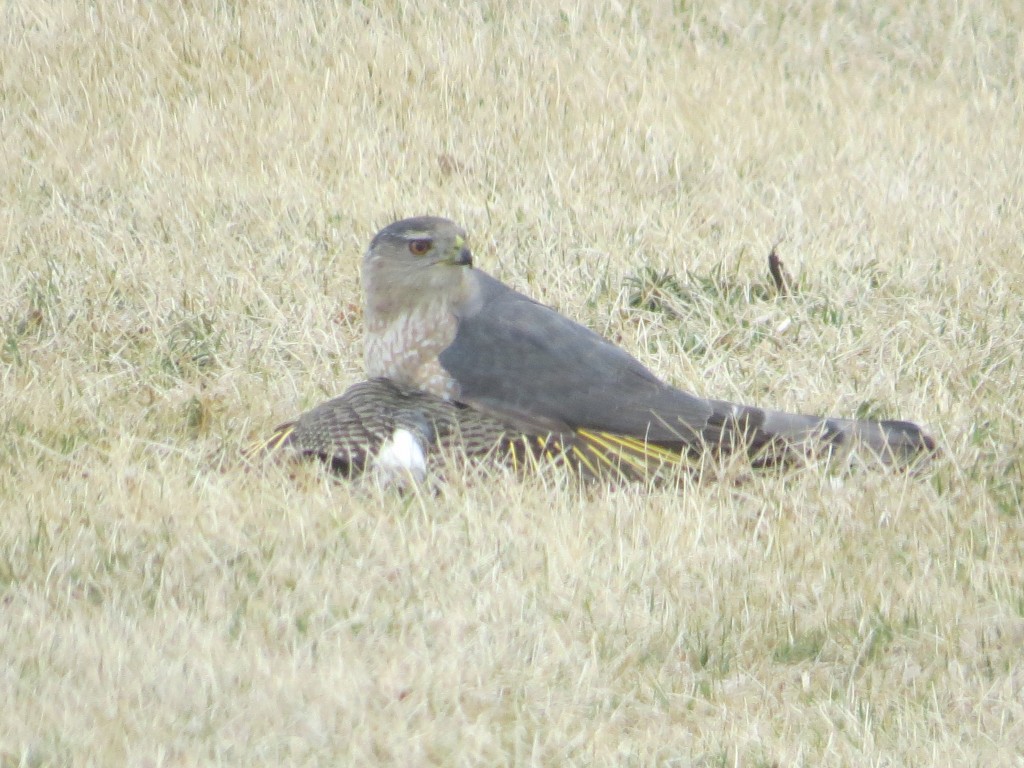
x,y
414,260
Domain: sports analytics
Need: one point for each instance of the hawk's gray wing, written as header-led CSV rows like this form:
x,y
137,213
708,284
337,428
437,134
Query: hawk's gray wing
x,y
523,361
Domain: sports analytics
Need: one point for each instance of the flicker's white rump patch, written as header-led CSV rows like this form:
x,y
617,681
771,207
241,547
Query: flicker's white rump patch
x,y
401,457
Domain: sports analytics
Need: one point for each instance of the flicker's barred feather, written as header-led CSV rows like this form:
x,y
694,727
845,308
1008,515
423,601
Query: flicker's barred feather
x,y
349,430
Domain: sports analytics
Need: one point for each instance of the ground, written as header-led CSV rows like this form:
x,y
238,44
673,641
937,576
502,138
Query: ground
x,y
187,189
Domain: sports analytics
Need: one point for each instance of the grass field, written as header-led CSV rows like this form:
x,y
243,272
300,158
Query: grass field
x,y
187,190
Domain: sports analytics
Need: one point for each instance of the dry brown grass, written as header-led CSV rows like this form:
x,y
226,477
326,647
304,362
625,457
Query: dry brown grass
x,y
187,191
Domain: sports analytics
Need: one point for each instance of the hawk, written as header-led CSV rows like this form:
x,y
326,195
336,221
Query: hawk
x,y
437,325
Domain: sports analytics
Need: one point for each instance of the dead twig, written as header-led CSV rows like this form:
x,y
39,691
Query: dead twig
x,y
777,270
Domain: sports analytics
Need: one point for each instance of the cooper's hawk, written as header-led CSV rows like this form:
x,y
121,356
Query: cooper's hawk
x,y
436,324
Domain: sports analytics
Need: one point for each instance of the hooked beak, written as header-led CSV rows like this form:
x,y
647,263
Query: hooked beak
x,y
461,255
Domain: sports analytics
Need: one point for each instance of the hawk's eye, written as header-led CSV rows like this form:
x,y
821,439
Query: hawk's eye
x,y
419,247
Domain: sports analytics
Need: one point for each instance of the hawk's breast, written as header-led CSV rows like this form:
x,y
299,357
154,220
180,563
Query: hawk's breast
x,y
405,348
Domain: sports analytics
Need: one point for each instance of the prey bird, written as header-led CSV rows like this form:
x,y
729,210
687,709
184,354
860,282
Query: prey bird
x,y
377,424
396,430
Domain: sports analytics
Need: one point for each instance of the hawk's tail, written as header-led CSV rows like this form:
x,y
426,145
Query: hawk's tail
x,y
770,436
766,437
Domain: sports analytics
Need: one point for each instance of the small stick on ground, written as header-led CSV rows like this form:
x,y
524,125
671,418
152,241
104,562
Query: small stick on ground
x,y
783,283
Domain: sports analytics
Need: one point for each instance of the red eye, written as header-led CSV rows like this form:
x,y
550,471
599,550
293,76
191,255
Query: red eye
x,y
419,247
